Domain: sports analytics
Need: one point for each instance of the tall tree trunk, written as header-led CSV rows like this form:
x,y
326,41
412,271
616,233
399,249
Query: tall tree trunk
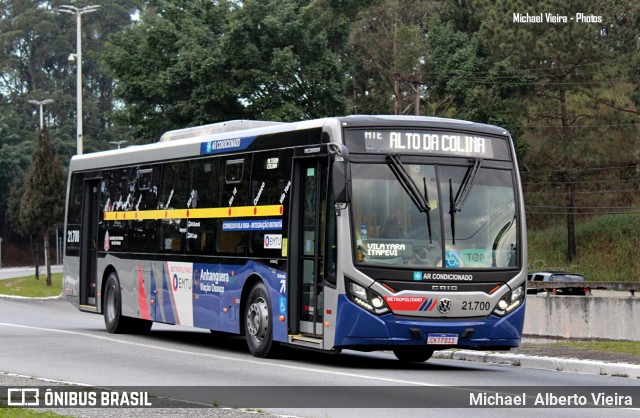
x,y
396,75
566,137
396,92
417,101
35,254
47,256
571,228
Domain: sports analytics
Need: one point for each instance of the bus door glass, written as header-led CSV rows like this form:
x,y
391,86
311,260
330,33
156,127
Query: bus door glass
x,y
89,242
309,254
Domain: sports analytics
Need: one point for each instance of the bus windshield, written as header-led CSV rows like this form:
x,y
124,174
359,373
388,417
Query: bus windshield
x,y
412,220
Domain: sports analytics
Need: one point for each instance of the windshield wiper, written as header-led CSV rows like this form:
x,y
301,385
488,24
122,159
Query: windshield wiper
x,y
456,204
420,200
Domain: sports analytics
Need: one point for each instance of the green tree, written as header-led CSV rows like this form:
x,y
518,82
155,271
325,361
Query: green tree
x,y
196,62
35,42
42,202
389,43
466,81
282,61
410,57
169,68
574,69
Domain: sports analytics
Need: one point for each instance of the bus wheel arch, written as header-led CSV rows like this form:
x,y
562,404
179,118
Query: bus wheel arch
x,y
257,318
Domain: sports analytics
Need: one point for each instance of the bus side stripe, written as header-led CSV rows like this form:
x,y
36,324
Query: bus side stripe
x,y
170,313
142,296
198,213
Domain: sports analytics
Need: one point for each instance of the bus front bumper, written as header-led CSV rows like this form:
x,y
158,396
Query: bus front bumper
x,y
361,330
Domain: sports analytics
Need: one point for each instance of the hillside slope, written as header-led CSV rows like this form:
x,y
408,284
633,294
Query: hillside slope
x,y
608,248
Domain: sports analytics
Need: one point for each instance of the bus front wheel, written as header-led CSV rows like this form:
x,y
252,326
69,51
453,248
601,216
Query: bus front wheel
x,y
114,321
259,322
413,354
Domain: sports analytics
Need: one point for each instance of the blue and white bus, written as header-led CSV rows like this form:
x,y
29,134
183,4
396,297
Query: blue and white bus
x,y
361,232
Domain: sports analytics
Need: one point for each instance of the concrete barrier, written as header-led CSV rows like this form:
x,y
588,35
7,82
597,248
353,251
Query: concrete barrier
x,y
583,317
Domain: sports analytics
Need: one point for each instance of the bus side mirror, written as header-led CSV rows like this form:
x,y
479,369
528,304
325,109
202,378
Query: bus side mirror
x,y
340,180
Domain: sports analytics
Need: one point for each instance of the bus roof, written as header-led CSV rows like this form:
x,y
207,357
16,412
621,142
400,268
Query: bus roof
x,y
185,143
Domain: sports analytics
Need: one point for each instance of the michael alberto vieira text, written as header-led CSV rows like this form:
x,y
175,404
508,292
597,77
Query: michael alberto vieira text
x,y
549,399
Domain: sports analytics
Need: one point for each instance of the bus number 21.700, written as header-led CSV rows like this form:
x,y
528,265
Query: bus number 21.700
x,y
475,306
73,236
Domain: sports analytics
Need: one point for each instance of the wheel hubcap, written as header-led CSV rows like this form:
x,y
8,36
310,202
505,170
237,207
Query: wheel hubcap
x,y
111,303
258,319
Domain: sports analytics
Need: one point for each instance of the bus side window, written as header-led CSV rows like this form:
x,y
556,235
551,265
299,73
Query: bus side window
x,y
174,194
75,200
235,181
115,196
203,194
74,213
270,185
143,232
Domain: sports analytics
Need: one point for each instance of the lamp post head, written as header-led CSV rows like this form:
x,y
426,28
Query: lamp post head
x,y
40,103
66,8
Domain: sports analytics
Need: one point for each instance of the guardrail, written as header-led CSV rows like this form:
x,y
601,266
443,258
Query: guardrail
x,y
619,286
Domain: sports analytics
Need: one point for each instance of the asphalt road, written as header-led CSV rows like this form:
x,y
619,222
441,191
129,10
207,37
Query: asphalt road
x,y
12,272
50,339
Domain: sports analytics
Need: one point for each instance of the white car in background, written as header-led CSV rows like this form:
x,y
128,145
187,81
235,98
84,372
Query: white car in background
x,y
543,276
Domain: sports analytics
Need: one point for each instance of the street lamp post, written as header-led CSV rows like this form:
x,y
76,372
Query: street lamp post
x,y
41,104
78,12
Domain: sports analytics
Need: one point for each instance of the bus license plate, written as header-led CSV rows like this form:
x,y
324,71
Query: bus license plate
x,y
442,339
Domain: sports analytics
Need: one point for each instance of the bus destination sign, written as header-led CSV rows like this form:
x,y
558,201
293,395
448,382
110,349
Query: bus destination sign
x,y
427,142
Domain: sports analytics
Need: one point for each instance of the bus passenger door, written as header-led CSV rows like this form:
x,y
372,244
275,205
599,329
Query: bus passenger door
x,y
89,243
306,247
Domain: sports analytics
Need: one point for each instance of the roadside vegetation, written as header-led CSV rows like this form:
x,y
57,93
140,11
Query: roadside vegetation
x,y
606,251
30,287
26,413
627,347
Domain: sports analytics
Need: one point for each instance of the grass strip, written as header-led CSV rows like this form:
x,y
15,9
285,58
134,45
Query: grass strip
x,y
30,287
28,413
627,347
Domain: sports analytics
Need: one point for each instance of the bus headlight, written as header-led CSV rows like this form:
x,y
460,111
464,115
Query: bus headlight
x,y
366,298
509,302
517,294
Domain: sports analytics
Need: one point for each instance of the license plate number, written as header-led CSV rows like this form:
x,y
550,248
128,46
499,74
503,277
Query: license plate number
x,y
442,339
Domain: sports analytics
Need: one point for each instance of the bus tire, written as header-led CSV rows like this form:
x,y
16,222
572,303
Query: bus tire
x,y
412,354
114,321
259,322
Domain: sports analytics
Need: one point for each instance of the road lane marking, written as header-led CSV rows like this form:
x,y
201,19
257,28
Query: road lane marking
x,y
255,362
43,379
218,357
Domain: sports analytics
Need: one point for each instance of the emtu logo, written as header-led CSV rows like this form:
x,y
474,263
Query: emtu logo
x,y
272,241
180,283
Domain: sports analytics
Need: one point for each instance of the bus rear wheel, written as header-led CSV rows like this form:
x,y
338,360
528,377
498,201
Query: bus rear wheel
x,y
412,354
114,321
259,322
